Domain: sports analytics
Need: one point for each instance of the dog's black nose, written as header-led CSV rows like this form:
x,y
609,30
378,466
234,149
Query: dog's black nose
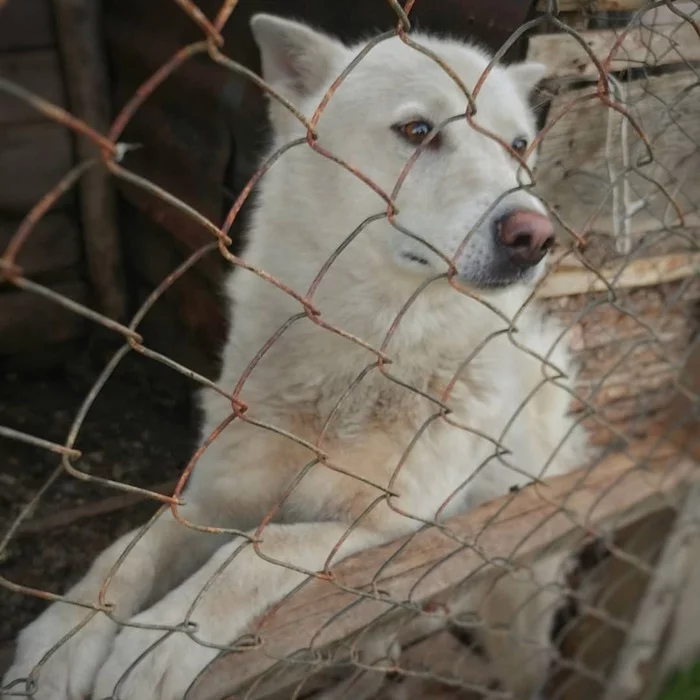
x,y
526,236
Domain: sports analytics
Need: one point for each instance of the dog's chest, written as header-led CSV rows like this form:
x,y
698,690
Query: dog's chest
x,y
457,460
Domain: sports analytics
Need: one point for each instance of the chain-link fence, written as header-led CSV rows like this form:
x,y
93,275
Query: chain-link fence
x,y
518,570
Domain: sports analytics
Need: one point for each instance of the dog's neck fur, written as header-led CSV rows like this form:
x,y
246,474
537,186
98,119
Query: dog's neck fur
x,y
425,345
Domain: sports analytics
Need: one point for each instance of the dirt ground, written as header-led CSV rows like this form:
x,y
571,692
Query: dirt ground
x,y
139,431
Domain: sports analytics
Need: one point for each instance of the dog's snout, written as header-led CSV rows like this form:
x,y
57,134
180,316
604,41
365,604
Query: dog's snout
x,y
526,235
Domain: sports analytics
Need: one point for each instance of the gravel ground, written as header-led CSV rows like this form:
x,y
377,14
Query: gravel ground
x,y
139,431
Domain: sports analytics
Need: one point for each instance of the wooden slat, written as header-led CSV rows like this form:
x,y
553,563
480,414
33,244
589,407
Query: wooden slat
x,y
600,249
643,272
662,38
54,244
576,156
33,158
430,563
38,71
29,321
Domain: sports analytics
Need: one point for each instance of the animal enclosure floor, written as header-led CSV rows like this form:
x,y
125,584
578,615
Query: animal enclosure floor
x,y
139,431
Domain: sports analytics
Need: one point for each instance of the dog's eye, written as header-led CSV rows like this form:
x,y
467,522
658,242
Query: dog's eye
x,y
415,132
519,145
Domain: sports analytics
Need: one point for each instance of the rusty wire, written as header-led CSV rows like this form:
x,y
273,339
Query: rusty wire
x,y
647,326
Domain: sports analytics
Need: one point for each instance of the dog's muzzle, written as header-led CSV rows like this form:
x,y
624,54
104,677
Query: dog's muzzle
x,y
523,238
520,240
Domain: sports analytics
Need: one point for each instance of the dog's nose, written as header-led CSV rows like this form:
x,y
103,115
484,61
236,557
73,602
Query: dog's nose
x,y
526,235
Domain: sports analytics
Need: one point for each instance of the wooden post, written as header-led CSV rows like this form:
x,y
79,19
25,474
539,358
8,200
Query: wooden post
x,y
78,28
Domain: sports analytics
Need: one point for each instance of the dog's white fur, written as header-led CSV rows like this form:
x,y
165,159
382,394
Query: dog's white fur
x,y
307,207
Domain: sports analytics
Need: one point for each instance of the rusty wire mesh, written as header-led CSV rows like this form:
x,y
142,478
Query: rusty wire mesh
x,y
627,288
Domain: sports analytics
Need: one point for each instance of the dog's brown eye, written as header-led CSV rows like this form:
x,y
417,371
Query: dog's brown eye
x,y
416,132
519,145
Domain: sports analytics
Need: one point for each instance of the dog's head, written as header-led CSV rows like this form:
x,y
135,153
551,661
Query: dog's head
x,y
465,196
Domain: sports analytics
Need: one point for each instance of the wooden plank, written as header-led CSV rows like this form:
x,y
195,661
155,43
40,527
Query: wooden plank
x,y
601,248
643,272
26,24
38,71
430,563
68,516
54,244
28,321
78,26
593,146
33,158
660,37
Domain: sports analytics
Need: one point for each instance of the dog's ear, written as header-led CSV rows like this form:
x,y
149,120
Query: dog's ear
x,y
296,60
526,76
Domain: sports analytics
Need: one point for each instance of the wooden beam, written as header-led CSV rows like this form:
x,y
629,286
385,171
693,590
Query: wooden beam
x,y
614,493
641,272
659,38
79,31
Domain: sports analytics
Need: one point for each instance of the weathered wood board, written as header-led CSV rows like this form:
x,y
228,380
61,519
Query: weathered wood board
x,y
79,28
658,37
590,168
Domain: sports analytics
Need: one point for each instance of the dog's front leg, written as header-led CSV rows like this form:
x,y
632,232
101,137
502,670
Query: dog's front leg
x,y
215,606
158,558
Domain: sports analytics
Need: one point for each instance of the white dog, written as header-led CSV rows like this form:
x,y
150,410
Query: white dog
x,y
450,343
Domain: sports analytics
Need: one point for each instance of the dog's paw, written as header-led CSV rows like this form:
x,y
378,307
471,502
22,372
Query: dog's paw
x,y
47,670
151,664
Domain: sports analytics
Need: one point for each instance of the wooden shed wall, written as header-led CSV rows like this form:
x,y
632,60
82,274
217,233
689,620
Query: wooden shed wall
x,y
34,154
